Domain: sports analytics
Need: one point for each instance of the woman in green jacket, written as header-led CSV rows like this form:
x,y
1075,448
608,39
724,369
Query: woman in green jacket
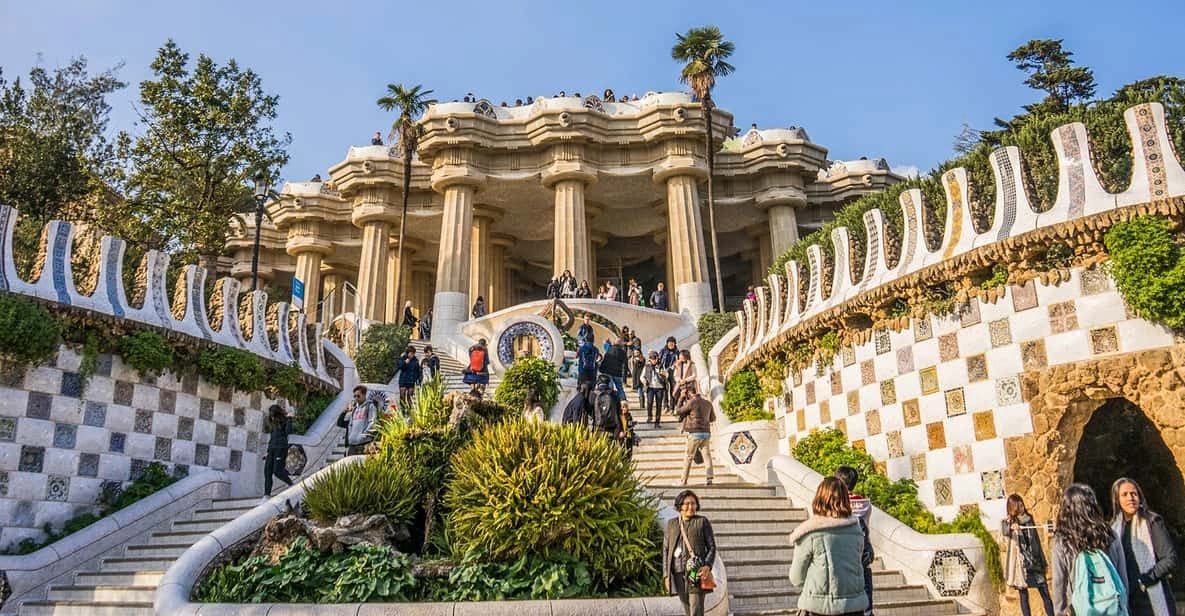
x,y
827,563
688,551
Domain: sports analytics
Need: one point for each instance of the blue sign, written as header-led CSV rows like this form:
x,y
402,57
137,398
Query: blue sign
x,y
297,293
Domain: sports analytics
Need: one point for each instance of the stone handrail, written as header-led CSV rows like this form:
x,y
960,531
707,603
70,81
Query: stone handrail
x,y
1156,176
921,558
185,311
30,572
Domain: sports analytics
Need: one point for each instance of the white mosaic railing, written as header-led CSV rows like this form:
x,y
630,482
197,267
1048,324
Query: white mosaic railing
x,y
187,313
1156,175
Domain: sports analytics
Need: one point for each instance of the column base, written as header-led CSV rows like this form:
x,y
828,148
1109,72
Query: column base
x,y
695,298
449,310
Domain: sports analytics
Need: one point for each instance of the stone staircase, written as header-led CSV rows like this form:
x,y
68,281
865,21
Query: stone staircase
x,y
124,581
752,523
450,370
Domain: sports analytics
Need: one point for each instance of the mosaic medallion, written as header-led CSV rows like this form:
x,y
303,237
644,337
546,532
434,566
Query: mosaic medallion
x,y
296,460
951,573
742,447
523,329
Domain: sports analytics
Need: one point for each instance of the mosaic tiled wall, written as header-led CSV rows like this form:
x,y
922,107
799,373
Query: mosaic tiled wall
x,y
935,401
60,443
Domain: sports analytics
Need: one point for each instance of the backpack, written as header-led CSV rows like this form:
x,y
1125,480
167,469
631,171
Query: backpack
x,y
1097,589
605,411
588,358
477,360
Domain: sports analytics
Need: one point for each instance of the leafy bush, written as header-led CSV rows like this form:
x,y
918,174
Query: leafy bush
x,y
524,375
772,372
233,368
287,382
370,487
743,398
529,577
523,488
998,278
826,450
382,344
1148,269
712,327
314,404
302,575
569,341
146,351
29,335
155,478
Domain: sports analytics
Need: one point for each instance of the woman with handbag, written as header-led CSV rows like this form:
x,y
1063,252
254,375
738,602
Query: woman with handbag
x,y
688,552
1025,564
827,555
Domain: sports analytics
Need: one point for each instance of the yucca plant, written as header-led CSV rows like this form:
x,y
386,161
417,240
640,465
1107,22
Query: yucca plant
x,y
370,487
427,408
546,489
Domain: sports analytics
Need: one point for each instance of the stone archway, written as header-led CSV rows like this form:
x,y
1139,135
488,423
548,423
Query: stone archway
x,y
1063,399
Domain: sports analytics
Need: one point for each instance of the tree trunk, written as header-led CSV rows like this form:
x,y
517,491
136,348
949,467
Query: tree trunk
x,y
707,105
399,264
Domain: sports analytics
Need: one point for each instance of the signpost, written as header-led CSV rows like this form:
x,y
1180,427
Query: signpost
x,y
298,293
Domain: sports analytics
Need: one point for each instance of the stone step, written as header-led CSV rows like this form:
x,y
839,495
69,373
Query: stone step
x,y
195,526
763,553
741,582
85,608
718,490
930,607
224,514
246,501
187,536
746,502
126,578
751,537
787,596
157,550
125,564
102,593
755,515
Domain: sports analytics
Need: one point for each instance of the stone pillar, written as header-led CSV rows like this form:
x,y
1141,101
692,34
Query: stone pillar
x,y
597,241
395,312
331,291
496,291
374,211
308,271
571,230
783,223
761,256
450,304
689,265
479,254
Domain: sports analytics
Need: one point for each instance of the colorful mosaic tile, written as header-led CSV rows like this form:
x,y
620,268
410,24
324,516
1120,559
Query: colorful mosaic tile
x,y
935,435
1063,317
921,329
867,372
824,412
842,426
800,419
65,436
942,492
836,383
32,459
94,414
872,419
88,465
969,315
1094,281
993,485
220,435
38,404
163,449
1008,390
849,355
964,462
858,445
143,423
883,343
7,429
206,409
985,425
781,424
853,402
1024,296
810,392
888,392
912,412
1104,340
201,454
917,467
955,403
905,360
123,393
896,446
929,380
117,442
168,401
948,347
1000,332
1032,354
71,384
796,378
977,369
3,483
742,447
57,489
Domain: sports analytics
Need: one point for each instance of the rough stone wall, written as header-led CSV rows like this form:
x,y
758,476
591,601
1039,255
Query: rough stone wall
x,y
61,441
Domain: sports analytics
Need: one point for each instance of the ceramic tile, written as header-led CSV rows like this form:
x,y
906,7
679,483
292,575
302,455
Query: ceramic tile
x,y
185,428
71,384
955,403
236,460
1000,332
1094,281
867,372
948,347
905,360
206,409
849,355
853,402
883,343
977,369
929,380
57,489
896,446
117,442
38,405
1024,296
3,483
917,467
796,377
859,445
836,383
942,492
1008,390
65,436
123,393
872,420
921,329
969,314
168,401
824,412
935,435
163,449
32,459
220,435
143,422
7,429
985,425
888,392
810,392
800,419
94,414
225,393
1104,340
201,454
964,462
993,485
88,465
1063,317
842,425
912,412
1032,354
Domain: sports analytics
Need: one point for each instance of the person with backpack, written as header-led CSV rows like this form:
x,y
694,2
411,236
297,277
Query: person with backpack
x,y
1086,581
827,564
1149,557
1025,564
615,365
410,374
697,414
477,374
587,358
279,427
585,332
655,380
359,420
579,408
606,409
862,511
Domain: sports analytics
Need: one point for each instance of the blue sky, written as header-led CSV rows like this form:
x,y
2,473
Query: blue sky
x,y
864,78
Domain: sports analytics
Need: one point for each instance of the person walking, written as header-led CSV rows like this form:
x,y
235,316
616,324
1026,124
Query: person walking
x,y
1149,557
615,364
410,374
585,332
587,358
430,365
688,553
667,356
579,408
1083,539
658,299
276,463
698,415
606,409
827,548
655,379
477,374
409,317
862,511
684,375
426,325
1025,564
359,419
636,363
479,307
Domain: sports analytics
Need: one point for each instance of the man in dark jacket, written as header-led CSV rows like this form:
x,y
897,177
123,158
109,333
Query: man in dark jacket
x,y
585,332
606,409
658,299
666,360
697,414
615,364
587,357
409,374
579,408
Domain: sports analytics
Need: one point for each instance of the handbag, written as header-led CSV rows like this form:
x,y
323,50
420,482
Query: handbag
x,y
698,458
697,572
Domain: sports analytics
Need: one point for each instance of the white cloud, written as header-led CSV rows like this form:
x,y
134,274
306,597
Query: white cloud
x,y
908,171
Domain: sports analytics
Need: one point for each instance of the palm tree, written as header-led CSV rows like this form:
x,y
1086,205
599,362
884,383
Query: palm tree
x,y
704,53
410,104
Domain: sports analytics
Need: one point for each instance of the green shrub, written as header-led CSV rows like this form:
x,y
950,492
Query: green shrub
x,y
382,344
523,488
743,398
146,351
242,370
155,478
314,404
772,372
569,342
369,487
998,278
29,334
1148,269
524,375
287,382
826,450
529,577
712,327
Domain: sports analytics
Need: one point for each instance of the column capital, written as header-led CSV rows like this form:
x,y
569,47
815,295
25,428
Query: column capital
x,y
409,243
598,239
676,166
374,203
488,212
305,244
447,176
502,240
780,195
575,170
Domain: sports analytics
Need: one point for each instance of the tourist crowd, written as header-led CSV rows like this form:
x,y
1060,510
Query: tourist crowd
x,y
565,286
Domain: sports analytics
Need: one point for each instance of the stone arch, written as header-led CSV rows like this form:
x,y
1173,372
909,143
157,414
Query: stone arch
x,y
1063,399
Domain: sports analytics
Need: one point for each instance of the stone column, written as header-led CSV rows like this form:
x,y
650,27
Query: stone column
x,y
374,211
496,291
450,304
689,264
308,271
411,246
421,286
479,254
596,242
762,255
571,230
783,219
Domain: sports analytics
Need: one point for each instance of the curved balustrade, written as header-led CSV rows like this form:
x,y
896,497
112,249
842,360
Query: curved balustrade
x,y
1156,175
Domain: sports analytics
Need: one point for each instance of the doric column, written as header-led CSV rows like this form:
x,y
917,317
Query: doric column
x,y
762,255
596,241
782,204
403,287
374,211
511,294
331,291
567,176
496,292
479,254
305,242
450,305
421,286
689,264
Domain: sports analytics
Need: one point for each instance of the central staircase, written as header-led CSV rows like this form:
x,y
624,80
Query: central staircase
x,y
451,369
752,525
